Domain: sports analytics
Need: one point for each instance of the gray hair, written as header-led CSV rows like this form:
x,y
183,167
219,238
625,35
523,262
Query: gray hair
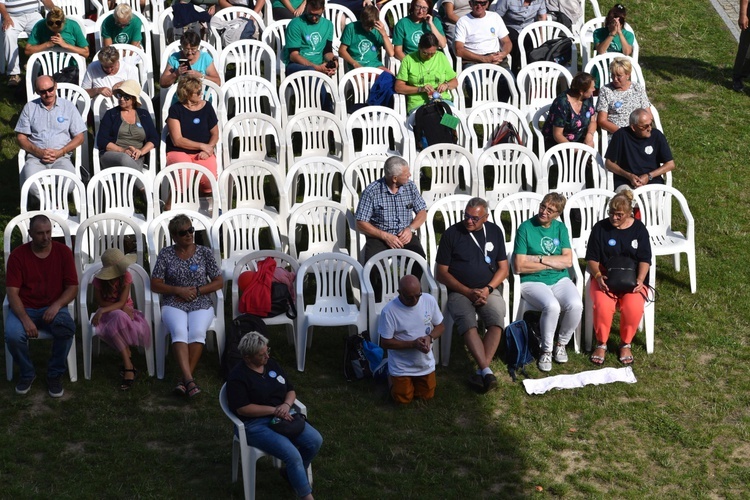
x,y
635,116
478,202
123,11
177,222
393,166
108,56
251,343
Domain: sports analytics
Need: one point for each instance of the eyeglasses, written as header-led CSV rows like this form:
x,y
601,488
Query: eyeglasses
x,y
547,208
646,126
50,90
421,8
54,23
473,218
312,15
190,50
482,4
187,231
125,97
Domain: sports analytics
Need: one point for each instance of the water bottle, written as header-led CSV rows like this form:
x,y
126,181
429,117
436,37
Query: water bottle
x,y
436,95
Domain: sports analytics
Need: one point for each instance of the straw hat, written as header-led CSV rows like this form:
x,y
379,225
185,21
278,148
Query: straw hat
x,y
115,264
132,88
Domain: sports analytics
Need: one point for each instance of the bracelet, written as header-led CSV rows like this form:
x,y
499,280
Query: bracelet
x,y
598,275
285,403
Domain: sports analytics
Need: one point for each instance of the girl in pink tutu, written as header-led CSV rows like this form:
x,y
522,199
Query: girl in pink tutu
x,y
117,323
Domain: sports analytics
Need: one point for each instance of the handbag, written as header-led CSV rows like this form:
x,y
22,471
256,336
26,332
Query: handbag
x,y
506,133
621,274
289,428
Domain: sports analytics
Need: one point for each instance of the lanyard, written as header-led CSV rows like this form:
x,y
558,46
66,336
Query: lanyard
x,y
484,251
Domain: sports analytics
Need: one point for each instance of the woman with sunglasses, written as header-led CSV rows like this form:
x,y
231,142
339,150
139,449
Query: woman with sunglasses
x,y
409,29
189,61
542,256
53,32
619,234
185,274
126,132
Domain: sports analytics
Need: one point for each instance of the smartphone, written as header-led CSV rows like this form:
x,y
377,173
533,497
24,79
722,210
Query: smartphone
x,y
184,63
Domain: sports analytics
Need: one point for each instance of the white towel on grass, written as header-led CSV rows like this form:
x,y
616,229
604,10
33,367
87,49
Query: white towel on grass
x,y
592,377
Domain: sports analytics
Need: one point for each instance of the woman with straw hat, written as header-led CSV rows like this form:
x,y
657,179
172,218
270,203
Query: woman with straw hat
x,y
117,323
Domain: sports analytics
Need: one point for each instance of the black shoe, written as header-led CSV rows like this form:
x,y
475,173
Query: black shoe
x,y
24,385
55,387
490,382
737,85
477,382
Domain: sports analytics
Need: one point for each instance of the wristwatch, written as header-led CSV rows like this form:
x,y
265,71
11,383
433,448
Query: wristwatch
x,y
490,288
413,231
650,177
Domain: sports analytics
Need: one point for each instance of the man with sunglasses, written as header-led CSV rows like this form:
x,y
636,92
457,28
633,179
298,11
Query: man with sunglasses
x,y
309,42
408,325
481,36
55,31
19,16
639,154
472,263
48,129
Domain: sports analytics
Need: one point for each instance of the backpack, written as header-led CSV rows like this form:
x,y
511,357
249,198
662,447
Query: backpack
x,y
281,301
363,359
532,319
239,326
239,28
517,354
558,50
506,133
429,127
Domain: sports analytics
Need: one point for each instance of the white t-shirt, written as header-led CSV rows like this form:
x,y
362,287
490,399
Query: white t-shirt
x,y
400,322
481,35
96,78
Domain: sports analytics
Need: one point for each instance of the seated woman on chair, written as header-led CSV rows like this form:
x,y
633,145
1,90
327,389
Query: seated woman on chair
x,y
419,21
620,97
185,274
259,392
613,37
189,61
620,234
542,256
572,117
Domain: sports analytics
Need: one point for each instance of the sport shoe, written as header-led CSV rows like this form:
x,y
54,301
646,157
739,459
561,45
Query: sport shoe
x,y
545,362
14,80
24,385
561,355
489,381
55,387
737,85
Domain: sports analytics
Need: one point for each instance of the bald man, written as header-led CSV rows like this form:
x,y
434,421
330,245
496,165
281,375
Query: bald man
x,y
408,326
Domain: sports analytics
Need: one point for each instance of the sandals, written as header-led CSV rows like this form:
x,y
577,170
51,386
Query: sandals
x,y
626,360
598,360
192,388
127,383
180,389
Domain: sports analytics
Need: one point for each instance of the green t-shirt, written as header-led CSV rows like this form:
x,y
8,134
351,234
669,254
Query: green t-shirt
x,y
534,239
71,33
125,34
308,38
600,34
433,72
278,5
407,33
364,46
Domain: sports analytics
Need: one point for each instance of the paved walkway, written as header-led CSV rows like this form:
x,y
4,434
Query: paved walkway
x,y
729,10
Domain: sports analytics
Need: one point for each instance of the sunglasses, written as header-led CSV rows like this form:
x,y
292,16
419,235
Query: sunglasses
x,y
187,231
54,23
473,218
120,95
50,90
481,4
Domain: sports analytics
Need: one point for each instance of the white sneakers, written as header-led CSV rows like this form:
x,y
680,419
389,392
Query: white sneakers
x,y
561,356
545,360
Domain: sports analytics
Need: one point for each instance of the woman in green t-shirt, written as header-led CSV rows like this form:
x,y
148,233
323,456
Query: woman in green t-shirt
x,y
613,37
542,256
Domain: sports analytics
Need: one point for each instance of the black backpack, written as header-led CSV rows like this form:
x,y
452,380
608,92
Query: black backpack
x,y
517,354
558,50
241,325
427,127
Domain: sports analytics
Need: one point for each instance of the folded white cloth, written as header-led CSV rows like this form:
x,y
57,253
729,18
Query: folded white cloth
x,y
592,377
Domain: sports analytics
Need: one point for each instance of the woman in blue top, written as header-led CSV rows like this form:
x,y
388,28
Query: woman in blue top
x,y
572,117
542,256
189,61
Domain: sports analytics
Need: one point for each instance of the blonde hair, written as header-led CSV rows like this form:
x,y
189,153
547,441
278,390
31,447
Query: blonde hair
x,y
621,63
622,201
186,87
56,14
556,200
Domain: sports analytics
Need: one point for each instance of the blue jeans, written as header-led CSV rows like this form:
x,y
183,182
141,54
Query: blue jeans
x,y
296,453
62,329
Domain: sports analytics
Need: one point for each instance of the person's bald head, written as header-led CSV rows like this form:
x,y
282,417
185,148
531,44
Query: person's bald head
x,y
409,290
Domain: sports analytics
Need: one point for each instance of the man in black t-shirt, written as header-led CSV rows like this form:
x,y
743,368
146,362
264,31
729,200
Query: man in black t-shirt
x,y
472,263
639,154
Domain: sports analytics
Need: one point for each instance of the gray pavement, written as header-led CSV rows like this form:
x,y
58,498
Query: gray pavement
x,y
729,10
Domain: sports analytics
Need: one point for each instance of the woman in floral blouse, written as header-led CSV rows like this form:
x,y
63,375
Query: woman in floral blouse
x,y
572,117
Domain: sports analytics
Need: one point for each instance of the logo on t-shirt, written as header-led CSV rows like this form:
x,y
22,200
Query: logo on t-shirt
x,y
122,38
649,150
549,245
314,39
611,242
416,36
364,46
61,119
634,244
196,120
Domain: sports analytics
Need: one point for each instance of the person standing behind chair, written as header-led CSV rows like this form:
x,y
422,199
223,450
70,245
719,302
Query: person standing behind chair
x,y
741,68
542,256
56,32
408,325
19,16
259,392
41,281
472,263
185,274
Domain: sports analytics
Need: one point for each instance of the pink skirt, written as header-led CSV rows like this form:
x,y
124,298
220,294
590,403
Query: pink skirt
x,y
119,331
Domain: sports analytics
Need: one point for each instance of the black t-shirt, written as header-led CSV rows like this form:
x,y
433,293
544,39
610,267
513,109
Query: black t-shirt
x,y
465,259
194,125
607,241
245,386
638,155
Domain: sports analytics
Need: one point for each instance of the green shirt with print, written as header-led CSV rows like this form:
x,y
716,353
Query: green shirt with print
x,y
71,33
122,34
407,33
309,39
534,239
364,46
433,72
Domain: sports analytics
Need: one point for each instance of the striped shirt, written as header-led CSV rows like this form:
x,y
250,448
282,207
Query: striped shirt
x,y
19,7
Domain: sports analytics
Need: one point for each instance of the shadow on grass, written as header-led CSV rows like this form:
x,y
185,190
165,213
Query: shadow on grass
x,y
670,68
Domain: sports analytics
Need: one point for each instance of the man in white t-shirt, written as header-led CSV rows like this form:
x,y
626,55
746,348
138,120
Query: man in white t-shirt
x,y
105,75
408,325
481,36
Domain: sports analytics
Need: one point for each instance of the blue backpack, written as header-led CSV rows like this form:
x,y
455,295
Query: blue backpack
x,y
517,353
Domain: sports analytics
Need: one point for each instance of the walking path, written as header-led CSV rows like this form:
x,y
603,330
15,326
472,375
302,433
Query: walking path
x,y
729,10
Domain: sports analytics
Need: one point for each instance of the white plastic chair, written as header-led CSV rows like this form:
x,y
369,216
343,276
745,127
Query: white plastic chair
x,y
250,58
655,203
506,169
22,223
541,31
60,192
601,64
77,9
140,292
361,173
251,94
450,169
244,184
115,190
573,160
537,124
250,455
180,183
317,133
340,16
49,62
539,83
275,37
254,136
229,13
325,224
392,12
333,275
488,117
101,232
378,125
354,87
304,91
592,205
483,82
315,178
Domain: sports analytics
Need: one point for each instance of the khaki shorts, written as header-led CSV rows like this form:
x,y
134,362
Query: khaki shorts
x,y
465,313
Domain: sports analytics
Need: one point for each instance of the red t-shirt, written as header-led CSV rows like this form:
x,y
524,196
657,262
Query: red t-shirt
x,y
41,281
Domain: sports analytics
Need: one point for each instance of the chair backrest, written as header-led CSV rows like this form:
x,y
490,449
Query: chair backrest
x,y
253,184
392,11
251,94
601,63
383,131
22,223
539,83
592,206
60,192
315,178
655,203
446,169
242,230
253,136
319,226
249,262
180,183
305,91
49,62
541,31
484,82
354,87
340,16
487,118
250,58
146,31
573,161
537,124
77,95
506,169
519,207
451,210
315,133
275,37
115,190
233,12
100,232
334,275
158,237
361,173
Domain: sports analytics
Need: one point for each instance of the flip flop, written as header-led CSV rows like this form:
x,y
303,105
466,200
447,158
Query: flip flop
x,y
626,360
598,360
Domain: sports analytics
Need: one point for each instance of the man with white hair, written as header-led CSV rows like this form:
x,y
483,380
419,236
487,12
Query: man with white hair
x,y
106,74
122,27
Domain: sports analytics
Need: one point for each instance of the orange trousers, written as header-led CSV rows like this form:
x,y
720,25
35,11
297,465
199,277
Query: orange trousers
x,y
631,311
209,163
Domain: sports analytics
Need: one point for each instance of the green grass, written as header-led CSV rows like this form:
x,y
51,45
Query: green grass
x,y
682,431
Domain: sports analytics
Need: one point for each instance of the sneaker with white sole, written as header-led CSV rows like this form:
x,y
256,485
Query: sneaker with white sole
x,y
545,362
561,355
24,385
55,387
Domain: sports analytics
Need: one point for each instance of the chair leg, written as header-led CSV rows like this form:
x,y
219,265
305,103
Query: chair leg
x,y
235,458
301,344
8,364
73,362
446,339
691,270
